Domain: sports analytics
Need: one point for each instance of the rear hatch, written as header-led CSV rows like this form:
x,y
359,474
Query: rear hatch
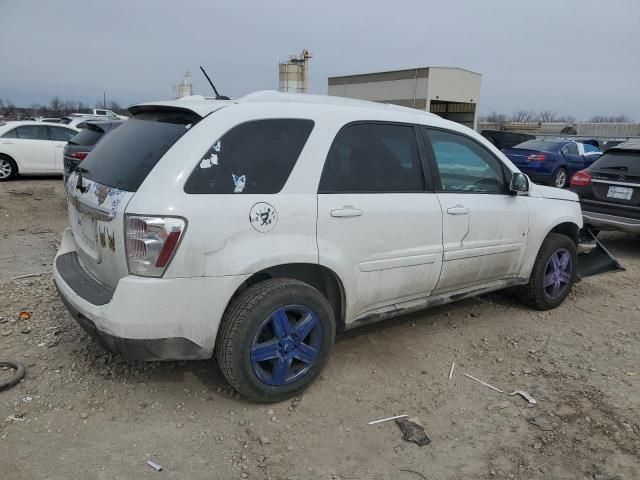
x,y
100,188
616,181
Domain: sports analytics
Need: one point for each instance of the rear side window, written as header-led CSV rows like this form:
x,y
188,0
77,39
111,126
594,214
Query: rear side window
x,y
11,134
127,155
373,158
33,132
571,149
619,161
590,148
253,157
87,136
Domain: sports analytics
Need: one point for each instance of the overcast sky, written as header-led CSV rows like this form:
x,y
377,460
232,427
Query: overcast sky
x,y
576,57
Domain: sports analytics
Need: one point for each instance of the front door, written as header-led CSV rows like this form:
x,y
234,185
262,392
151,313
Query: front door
x,y
484,227
379,226
34,149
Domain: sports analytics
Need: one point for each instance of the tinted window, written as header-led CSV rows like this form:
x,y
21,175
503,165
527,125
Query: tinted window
x,y
254,157
62,134
373,158
101,112
125,158
571,149
464,165
540,145
620,161
13,133
87,137
33,132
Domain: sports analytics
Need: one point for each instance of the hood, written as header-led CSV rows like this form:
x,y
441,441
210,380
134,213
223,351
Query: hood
x,y
541,191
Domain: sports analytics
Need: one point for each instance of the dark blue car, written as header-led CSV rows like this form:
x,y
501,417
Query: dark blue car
x,y
552,161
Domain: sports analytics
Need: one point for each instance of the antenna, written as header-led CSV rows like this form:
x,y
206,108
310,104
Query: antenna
x,y
218,96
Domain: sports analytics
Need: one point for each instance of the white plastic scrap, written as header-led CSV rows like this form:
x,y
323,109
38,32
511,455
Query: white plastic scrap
x,y
451,371
387,419
484,383
154,465
524,395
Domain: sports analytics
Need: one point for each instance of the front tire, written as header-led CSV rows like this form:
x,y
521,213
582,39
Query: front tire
x,y
553,274
8,168
274,339
561,178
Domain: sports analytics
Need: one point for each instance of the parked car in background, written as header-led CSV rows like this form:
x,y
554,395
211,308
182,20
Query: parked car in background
x,y
245,228
102,113
611,143
48,119
81,144
552,161
33,148
609,189
79,121
502,139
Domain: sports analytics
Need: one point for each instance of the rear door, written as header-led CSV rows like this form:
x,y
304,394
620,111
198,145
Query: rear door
x,y
104,183
575,161
34,149
484,227
61,136
379,222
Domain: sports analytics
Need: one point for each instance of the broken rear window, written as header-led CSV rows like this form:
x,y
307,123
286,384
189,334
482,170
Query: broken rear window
x,y
253,157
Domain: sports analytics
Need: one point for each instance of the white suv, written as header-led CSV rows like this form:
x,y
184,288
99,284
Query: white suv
x,y
257,228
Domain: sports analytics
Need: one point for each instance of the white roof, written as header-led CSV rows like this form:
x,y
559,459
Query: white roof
x,y
204,105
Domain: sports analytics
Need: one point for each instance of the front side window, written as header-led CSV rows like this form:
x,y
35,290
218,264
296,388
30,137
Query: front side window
x,y
253,157
464,165
62,134
571,149
33,132
372,157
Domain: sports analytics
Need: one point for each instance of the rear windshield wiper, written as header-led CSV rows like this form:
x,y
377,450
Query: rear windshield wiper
x,y
618,167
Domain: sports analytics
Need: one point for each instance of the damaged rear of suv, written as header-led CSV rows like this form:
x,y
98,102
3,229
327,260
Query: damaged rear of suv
x,y
255,229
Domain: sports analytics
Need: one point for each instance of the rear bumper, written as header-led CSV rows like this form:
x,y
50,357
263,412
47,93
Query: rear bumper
x,y
144,318
604,221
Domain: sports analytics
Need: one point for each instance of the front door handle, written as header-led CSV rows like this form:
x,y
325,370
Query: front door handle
x,y
346,211
7,143
458,210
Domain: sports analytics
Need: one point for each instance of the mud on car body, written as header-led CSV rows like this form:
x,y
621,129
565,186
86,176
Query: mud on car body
x,y
254,229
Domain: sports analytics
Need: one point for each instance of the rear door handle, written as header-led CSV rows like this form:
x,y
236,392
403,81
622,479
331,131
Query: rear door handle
x,y
458,210
7,143
346,211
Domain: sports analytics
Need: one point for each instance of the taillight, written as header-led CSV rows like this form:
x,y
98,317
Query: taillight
x,y
151,243
581,179
79,155
536,157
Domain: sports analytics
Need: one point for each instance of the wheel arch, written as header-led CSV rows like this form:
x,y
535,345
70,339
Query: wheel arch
x,y
325,280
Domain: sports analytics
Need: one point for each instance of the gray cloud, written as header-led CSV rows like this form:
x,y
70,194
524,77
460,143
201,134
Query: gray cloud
x,y
575,57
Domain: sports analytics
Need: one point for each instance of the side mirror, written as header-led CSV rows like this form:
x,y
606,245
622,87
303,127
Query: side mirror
x,y
519,184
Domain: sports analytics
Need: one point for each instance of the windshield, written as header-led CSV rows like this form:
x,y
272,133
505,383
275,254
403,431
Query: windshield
x,y
126,156
540,145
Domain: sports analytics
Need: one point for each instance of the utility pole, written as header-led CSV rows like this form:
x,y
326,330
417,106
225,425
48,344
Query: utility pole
x,y
104,100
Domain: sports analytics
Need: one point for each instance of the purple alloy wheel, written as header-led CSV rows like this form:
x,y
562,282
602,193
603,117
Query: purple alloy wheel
x,y
286,345
558,274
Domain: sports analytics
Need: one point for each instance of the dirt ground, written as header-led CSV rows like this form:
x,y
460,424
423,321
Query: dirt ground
x,y
82,413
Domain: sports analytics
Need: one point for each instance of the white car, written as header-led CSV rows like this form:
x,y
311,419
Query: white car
x,y
32,148
255,229
102,113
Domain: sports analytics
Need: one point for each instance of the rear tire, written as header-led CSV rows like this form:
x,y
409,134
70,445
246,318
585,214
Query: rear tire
x,y
8,168
553,274
274,339
560,178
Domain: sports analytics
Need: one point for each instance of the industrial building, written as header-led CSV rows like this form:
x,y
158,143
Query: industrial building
x,y
294,73
453,93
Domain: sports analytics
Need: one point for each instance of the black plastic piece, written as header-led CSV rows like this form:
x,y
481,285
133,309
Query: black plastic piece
x,y
80,281
598,260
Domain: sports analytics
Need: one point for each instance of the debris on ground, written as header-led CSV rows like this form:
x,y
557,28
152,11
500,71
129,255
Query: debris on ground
x,y
17,376
154,465
24,315
602,472
451,371
484,383
412,431
387,419
499,406
524,395
543,423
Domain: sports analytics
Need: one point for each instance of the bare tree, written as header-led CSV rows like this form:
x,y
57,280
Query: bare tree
x,y
547,116
55,105
610,119
69,106
115,106
494,117
522,116
566,119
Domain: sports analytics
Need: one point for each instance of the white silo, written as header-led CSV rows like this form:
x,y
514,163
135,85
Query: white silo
x,y
294,74
185,88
